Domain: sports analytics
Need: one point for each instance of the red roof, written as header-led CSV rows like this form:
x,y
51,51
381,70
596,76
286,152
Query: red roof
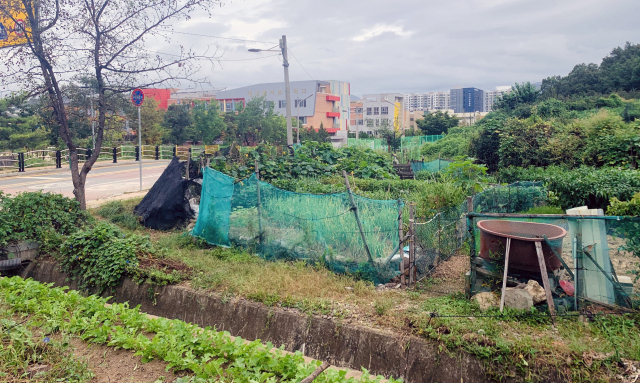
x,y
332,130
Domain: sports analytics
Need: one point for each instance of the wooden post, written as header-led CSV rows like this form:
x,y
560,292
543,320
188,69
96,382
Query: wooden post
x,y
400,247
188,163
412,245
259,203
316,373
545,278
355,212
506,268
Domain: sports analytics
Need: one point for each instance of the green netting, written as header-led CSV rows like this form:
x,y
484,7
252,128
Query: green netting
x,y
410,142
598,250
295,226
367,143
433,166
443,234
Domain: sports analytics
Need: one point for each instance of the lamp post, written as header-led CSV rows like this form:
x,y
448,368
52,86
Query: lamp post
x,y
298,101
285,64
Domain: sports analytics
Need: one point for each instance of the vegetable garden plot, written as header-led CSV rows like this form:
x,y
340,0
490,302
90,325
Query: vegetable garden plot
x,y
442,235
284,225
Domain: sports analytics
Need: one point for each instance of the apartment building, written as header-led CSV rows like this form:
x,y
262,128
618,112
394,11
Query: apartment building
x,y
491,96
427,101
313,102
380,111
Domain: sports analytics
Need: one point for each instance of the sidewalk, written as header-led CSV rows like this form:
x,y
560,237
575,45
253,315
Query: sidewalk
x,y
65,168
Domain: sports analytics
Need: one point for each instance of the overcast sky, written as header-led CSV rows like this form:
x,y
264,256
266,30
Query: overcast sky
x,y
408,45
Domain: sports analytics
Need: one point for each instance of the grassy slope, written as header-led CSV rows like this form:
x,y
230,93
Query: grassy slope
x,y
509,345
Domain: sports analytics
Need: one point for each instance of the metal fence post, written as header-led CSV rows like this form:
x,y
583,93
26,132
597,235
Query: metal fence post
x,y
58,159
400,243
20,162
137,153
157,153
175,150
115,158
88,154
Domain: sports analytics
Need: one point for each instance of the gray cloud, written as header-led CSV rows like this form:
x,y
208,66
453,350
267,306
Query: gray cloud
x,y
407,45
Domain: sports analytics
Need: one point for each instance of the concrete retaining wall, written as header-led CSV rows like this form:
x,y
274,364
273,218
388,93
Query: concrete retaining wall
x,y
410,358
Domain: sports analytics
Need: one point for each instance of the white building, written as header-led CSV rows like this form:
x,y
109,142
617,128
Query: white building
x,y
427,101
491,96
380,111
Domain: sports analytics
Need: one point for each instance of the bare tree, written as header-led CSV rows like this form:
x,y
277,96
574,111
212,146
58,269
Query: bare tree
x,y
102,39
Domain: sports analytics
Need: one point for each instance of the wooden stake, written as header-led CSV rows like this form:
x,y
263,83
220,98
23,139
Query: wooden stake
x,y
400,247
506,268
259,204
316,373
545,279
412,246
354,207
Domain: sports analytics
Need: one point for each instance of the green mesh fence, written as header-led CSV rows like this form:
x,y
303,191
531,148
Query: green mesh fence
x,y
278,224
599,251
367,143
432,166
410,142
442,235
410,147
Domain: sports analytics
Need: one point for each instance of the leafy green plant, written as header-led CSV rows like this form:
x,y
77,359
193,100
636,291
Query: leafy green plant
x,y
589,186
208,354
100,256
38,216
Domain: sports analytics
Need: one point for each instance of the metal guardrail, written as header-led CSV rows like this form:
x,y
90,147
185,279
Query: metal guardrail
x,y
51,157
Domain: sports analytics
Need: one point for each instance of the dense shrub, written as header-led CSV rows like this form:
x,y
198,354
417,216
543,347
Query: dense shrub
x,y
630,208
100,256
452,145
589,186
38,216
311,160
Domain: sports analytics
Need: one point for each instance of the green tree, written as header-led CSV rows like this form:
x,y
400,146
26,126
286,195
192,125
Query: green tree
x,y
322,134
525,93
151,122
178,121
437,123
208,125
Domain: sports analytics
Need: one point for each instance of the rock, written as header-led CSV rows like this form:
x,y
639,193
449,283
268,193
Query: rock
x,y
390,285
398,286
486,300
517,299
521,285
348,288
536,291
35,369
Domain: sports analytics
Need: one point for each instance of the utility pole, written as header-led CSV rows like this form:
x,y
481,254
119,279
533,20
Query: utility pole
x,y
285,64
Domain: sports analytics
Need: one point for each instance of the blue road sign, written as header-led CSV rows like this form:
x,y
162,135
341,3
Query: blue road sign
x,y
137,97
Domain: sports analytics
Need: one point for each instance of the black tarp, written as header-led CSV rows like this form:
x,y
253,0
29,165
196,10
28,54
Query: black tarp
x,y
165,205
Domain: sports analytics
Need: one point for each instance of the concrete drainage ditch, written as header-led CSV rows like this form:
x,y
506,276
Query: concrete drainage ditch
x,y
411,358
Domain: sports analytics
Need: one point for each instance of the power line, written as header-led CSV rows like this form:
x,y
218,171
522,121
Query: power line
x,y
223,38
174,55
294,56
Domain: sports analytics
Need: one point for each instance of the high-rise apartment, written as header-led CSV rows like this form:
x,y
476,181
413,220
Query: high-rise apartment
x,y
491,96
467,100
426,101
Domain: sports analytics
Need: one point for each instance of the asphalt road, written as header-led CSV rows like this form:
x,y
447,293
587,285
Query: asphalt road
x,y
102,182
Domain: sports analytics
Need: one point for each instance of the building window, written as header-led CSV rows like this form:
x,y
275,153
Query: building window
x,y
384,110
376,111
301,103
229,106
359,110
360,122
377,121
368,111
411,119
303,120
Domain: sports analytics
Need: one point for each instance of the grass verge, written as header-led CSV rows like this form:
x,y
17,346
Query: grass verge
x,y
524,345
